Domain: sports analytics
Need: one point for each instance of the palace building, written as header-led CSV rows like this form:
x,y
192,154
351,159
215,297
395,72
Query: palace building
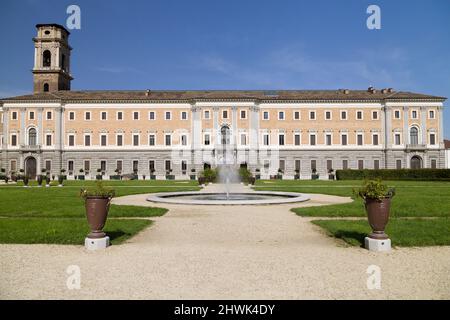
x,y
154,132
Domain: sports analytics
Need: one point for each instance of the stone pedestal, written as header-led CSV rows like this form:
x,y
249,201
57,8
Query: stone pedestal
x,y
377,245
96,244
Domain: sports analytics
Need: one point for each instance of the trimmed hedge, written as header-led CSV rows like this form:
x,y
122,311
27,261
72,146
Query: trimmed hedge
x,y
395,174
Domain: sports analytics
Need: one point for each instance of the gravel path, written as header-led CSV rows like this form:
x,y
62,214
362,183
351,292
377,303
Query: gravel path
x,y
239,252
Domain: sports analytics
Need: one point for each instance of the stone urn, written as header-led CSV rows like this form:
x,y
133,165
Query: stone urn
x,y
97,208
378,216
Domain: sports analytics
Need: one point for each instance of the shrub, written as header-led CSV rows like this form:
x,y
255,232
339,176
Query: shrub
x,y
374,189
210,175
394,174
245,175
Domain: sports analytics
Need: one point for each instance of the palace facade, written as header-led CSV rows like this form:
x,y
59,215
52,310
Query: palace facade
x,y
157,132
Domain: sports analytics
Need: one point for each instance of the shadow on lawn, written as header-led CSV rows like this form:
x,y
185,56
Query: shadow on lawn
x,y
352,237
116,234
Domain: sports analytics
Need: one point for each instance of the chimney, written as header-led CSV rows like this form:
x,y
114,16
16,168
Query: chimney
x,y
147,93
390,90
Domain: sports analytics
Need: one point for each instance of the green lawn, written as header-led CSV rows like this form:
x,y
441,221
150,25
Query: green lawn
x,y
412,199
57,214
415,199
64,231
402,232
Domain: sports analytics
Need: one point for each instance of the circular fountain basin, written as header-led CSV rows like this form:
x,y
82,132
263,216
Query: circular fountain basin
x,y
215,198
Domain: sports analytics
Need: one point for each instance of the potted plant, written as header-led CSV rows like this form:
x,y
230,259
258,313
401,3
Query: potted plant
x,y
377,202
331,174
99,174
60,180
297,174
62,173
152,174
81,175
257,173
192,176
97,201
201,181
280,174
21,174
39,180
25,181
47,181
314,175
13,176
169,176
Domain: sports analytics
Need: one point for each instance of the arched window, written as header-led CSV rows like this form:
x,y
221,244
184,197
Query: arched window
x,y
414,136
46,87
225,133
46,58
32,137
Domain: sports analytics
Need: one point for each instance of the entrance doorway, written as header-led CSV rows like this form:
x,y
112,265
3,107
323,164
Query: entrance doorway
x,y
416,162
30,167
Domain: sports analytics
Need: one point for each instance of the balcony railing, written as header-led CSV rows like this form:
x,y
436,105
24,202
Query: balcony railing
x,y
30,148
418,147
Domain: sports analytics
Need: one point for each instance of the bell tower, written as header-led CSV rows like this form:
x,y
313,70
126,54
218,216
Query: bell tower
x,y
51,70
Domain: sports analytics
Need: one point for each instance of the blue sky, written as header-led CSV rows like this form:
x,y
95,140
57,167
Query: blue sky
x,y
231,44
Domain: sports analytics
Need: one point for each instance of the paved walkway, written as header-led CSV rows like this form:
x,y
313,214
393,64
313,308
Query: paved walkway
x,y
239,252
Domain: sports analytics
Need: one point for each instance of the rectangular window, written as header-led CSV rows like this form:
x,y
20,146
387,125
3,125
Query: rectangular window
x,y
243,139
103,166
13,165
14,115
432,139
119,115
312,115
398,164
103,140
266,139
243,114
87,140
48,165
168,165
168,140
49,115
327,115
414,114
280,115
104,115
135,115
266,165
281,139
297,139
151,166
135,165
48,140
433,164
345,164
71,115
151,115
360,164
312,139
328,139
31,115
184,115
376,164
207,139
87,165
206,115
343,115
329,165
359,115
14,140
374,115
135,140
151,140
87,115
375,139
71,140
344,140
296,115
282,165
119,140
297,165
397,139
183,166
359,139
431,114
70,166
313,165
224,114
184,140
167,115
397,114
266,115
119,165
